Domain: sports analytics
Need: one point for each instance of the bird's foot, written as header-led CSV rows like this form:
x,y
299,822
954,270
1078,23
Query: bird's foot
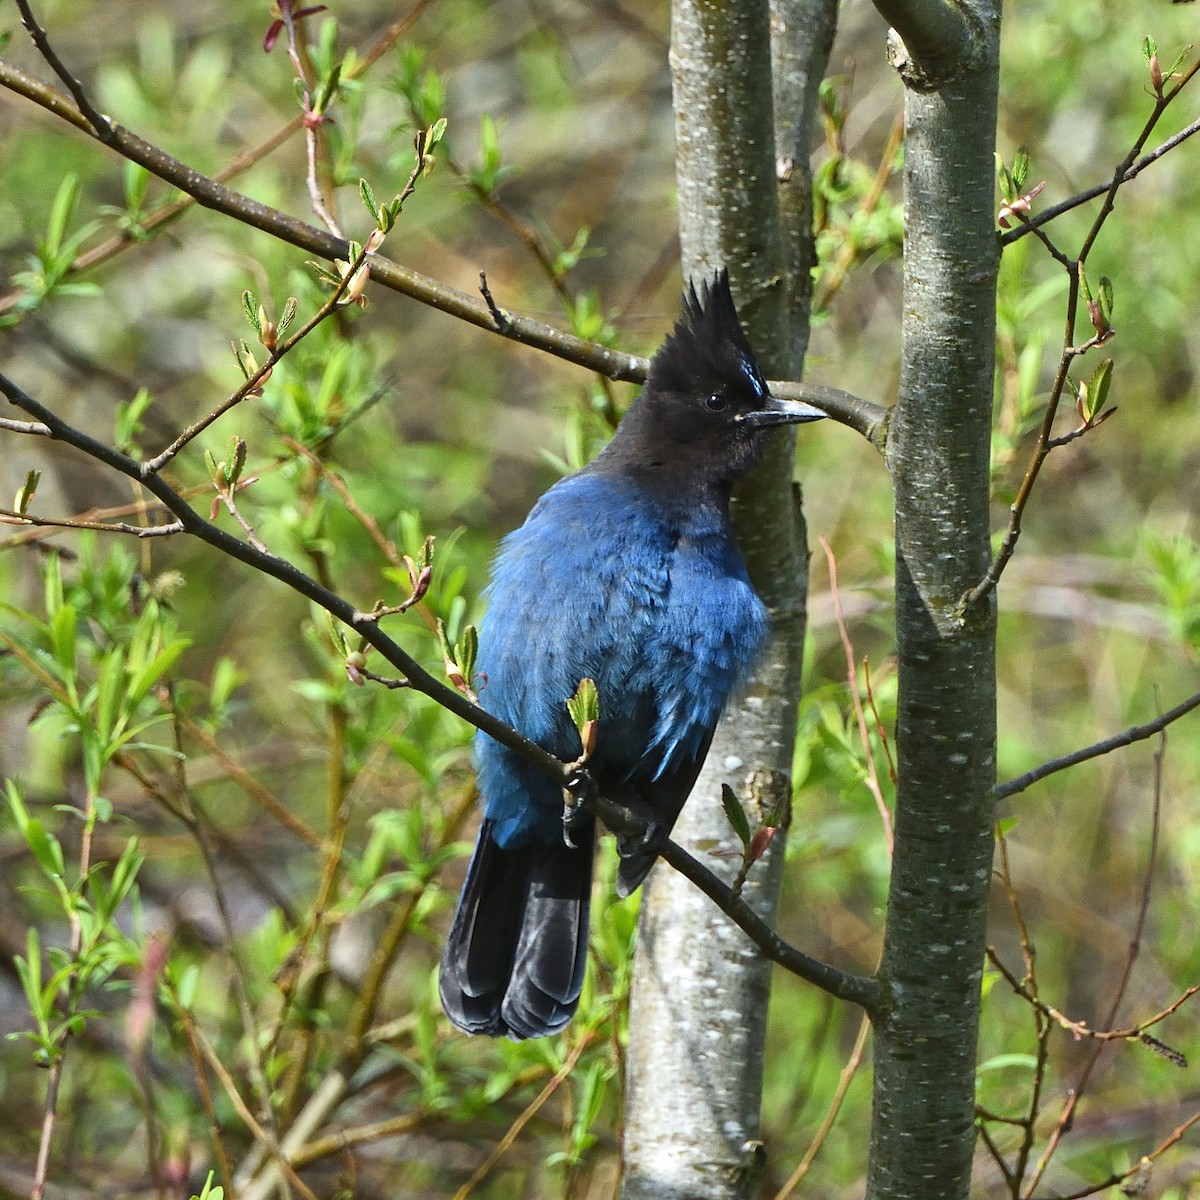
x,y
579,788
649,840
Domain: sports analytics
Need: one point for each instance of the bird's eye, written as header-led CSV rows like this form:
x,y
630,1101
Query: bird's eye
x,y
716,403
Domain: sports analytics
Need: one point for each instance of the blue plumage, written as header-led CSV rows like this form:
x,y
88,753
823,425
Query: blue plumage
x,y
652,601
627,573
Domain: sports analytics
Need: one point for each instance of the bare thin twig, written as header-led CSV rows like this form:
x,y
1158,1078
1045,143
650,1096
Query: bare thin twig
x,y
514,1130
859,414
1136,733
831,1113
872,779
1067,1115
98,121
1075,273
9,516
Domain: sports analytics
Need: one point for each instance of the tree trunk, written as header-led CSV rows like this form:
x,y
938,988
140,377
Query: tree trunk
x,y
699,1006
922,1136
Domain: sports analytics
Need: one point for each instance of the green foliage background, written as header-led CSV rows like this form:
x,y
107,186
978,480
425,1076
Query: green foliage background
x,y
559,122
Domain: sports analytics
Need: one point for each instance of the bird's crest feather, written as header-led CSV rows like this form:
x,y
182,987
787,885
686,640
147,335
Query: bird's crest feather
x,y
708,348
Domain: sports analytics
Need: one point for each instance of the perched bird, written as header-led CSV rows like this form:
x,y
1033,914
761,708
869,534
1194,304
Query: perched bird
x,y
627,573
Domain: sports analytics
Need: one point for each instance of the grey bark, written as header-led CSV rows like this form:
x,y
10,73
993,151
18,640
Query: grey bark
x,y
922,1137
699,1004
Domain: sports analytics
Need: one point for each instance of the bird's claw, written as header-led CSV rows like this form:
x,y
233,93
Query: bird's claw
x,y
578,788
648,841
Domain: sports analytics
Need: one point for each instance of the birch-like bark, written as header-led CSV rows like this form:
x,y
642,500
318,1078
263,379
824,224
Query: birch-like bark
x,y
922,1137
699,1006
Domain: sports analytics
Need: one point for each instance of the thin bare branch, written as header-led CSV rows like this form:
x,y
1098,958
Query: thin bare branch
x,y
100,124
1046,442
872,779
831,1113
1033,223
869,419
9,517
1136,733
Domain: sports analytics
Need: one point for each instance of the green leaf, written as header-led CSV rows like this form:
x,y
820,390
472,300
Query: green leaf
x,y
151,672
288,315
188,986
53,585
108,691
1149,48
62,629
584,706
367,196
1096,395
1000,1062
30,970
250,307
61,210
466,651
1020,171
736,814
45,848
27,492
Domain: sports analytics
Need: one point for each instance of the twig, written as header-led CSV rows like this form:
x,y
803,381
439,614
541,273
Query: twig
x,y
251,786
1066,1116
216,1139
1074,268
1032,223
99,123
514,1130
872,779
170,211
261,1135
868,418
1080,1029
311,120
156,464
33,427
1136,733
10,517
500,317
831,1113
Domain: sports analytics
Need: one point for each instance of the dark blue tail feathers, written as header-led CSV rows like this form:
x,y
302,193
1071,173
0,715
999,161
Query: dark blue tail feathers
x,y
514,960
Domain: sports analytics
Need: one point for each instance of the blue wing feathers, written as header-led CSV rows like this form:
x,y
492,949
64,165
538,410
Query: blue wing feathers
x,y
606,581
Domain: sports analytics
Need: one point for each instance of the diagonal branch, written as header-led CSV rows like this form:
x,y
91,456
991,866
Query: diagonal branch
x,y
100,124
867,992
861,415
1136,733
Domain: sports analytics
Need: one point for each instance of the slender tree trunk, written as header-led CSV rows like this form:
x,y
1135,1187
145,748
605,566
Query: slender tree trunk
x,y
922,1137
699,1006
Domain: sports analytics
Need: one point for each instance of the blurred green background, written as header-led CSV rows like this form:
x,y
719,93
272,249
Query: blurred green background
x,y
560,137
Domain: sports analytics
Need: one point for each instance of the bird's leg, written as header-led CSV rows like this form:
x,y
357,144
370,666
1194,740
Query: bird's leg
x,y
647,834
577,791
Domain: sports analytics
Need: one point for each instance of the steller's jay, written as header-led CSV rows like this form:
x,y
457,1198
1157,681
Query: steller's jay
x,y
627,573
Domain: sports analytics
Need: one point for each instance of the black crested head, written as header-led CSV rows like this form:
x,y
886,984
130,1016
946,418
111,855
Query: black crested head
x,y
700,421
708,348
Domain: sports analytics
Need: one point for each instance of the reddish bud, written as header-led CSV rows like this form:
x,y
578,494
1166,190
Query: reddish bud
x,y
354,665
763,837
1019,207
421,584
1156,75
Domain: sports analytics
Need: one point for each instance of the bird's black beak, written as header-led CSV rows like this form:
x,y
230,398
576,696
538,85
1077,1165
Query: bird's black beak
x,y
781,412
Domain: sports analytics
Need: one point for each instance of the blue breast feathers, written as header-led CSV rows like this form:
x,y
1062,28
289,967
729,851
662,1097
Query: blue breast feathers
x,y
610,581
